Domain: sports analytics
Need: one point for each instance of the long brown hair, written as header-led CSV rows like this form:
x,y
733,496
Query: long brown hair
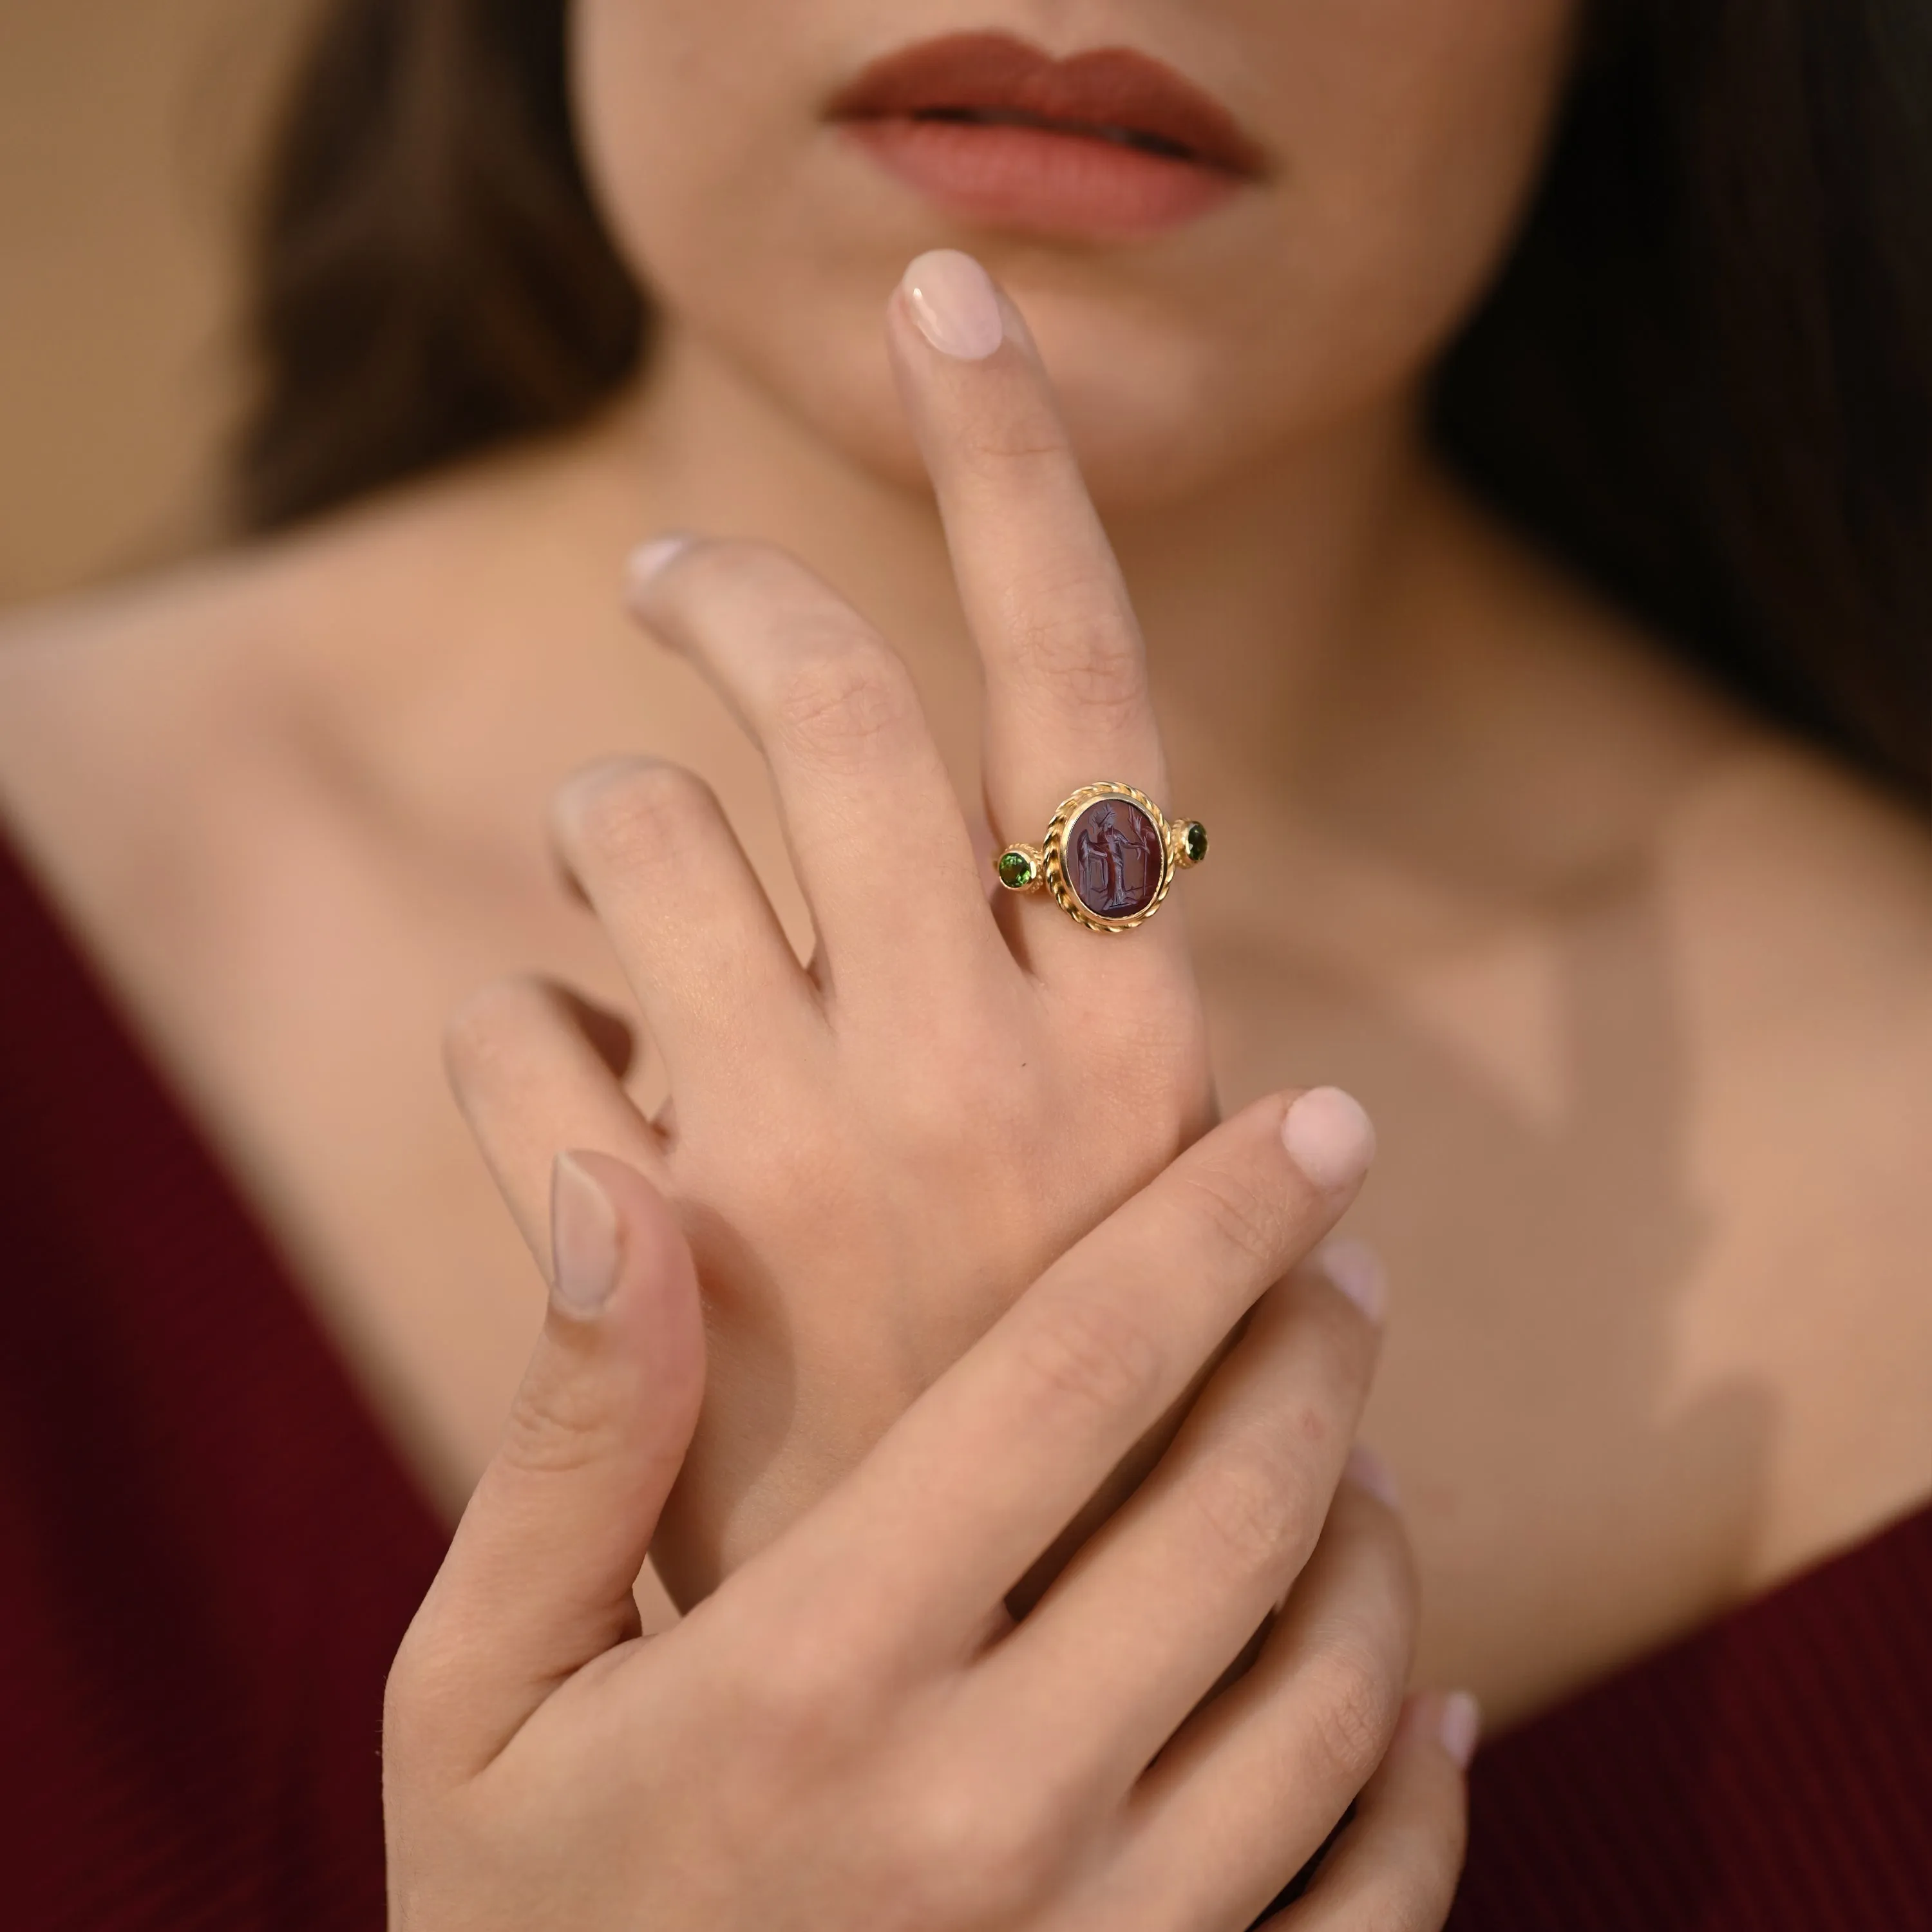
x,y
1704,379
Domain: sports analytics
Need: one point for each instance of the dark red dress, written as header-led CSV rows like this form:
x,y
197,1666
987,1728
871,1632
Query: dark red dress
x,y
208,1554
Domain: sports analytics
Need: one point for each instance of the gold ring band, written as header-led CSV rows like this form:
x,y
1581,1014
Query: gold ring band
x,y
1108,857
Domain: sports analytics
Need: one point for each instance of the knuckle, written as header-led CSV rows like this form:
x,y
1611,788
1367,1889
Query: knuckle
x,y
1094,1358
1253,1510
1356,1702
626,813
1087,659
843,689
1023,439
1239,1215
565,1426
810,1690
971,1852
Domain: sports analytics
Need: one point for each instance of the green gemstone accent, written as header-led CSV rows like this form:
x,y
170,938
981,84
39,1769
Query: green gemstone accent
x,y
1016,871
1194,842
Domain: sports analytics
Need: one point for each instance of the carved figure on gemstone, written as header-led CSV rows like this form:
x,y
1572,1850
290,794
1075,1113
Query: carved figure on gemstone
x,y
1117,859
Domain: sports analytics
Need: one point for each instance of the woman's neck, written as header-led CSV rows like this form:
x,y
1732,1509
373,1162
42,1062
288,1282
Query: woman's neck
x,y
1333,633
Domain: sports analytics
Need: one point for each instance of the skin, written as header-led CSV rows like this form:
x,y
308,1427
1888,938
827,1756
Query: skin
x,y
1636,992
853,1727
961,1683
856,1230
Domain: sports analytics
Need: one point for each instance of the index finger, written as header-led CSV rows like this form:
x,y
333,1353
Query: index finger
x,y
974,1482
1066,702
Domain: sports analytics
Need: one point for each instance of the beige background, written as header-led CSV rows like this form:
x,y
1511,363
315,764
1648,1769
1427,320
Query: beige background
x,y
127,128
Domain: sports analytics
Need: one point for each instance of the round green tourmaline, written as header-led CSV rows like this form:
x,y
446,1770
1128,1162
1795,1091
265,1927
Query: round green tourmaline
x,y
1016,871
1195,843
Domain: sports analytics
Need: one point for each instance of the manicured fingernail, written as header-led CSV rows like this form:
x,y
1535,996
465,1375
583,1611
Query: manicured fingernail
x,y
585,1239
1329,1138
951,297
648,559
1356,1269
1460,1726
1368,1470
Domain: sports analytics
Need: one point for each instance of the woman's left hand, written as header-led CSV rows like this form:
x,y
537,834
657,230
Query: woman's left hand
x,y
852,1730
871,1155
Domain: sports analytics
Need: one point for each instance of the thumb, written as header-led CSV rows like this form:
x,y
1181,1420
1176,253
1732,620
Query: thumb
x,y
538,1578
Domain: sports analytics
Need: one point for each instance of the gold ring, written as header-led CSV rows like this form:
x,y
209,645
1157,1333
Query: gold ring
x,y
1108,858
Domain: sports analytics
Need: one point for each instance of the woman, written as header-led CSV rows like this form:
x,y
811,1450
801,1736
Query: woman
x,y
1575,924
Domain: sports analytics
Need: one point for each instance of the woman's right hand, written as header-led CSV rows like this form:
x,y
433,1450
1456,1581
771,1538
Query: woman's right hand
x,y
871,1154
852,1730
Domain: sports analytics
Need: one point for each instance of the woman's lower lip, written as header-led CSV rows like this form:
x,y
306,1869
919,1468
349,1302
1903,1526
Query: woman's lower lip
x,y
1040,181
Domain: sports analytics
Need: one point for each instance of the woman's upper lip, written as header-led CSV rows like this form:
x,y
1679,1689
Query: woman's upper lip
x,y
1108,93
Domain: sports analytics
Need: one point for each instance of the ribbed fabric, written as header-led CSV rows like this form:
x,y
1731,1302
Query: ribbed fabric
x,y
208,1555
1772,1773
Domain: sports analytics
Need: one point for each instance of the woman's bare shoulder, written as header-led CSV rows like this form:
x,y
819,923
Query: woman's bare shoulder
x,y
101,659
255,651
150,730
101,691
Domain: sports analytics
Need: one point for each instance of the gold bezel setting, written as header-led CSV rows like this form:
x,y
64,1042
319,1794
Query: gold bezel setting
x,y
1071,811
1029,868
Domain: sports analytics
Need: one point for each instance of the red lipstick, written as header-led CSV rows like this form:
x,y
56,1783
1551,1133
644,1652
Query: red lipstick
x,y
1107,145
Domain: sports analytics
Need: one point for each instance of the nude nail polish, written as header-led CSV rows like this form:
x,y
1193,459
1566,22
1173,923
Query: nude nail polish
x,y
951,297
1460,1725
586,1240
1329,1138
1368,1471
1356,1269
650,559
